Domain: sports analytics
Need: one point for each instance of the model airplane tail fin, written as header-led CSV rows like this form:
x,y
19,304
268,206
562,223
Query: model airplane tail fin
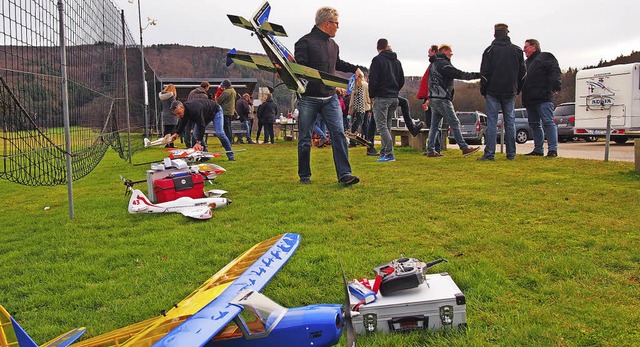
x,y
262,14
12,334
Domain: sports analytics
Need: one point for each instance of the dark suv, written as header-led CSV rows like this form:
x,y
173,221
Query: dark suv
x,y
473,126
564,117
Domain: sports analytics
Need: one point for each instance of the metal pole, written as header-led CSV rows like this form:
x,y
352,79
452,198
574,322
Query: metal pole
x,y
126,83
608,137
65,107
144,78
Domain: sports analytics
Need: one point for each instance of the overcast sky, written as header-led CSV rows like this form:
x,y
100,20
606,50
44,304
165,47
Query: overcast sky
x,y
577,32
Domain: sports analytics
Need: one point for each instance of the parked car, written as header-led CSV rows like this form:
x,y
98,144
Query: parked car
x,y
565,117
523,130
473,126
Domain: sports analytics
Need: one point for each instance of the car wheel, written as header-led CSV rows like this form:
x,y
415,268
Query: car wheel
x,y
591,138
522,136
452,141
483,140
562,139
621,140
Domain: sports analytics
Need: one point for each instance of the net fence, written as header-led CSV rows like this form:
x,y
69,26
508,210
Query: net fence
x,y
105,89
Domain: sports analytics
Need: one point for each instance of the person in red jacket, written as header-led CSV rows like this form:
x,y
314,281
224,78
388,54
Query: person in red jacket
x,y
423,93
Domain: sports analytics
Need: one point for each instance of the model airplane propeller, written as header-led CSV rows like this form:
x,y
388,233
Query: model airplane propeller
x,y
227,310
279,59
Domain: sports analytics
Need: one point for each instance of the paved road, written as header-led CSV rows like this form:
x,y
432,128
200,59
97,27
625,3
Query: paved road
x,y
583,150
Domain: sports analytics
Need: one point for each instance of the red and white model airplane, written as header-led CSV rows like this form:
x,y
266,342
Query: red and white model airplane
x,y
189,207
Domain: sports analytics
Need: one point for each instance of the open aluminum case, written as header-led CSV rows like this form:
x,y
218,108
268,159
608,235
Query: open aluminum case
x,y
435,304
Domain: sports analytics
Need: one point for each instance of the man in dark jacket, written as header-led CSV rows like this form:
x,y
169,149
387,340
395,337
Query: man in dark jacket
x,y
386,78
267,114
543,81
503,73
318,50
200,112
441,76
243,109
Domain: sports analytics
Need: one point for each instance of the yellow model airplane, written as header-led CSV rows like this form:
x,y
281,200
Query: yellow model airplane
x,y
210,304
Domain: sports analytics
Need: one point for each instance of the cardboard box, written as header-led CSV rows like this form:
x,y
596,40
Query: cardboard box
x,y
436,304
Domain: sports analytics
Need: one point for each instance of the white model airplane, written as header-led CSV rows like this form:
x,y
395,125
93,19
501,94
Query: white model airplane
x,y
189,207
192,155
161,141
279,59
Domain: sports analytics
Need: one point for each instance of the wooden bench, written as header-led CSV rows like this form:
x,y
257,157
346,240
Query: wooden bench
x,y
406,139
236,129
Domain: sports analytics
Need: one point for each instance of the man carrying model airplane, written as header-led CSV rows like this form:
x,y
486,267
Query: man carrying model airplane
x,y
318,50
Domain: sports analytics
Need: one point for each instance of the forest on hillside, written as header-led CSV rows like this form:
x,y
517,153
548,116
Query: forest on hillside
x,y
204,62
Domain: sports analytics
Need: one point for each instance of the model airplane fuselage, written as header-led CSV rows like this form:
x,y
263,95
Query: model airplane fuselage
x,y
279,59
189,207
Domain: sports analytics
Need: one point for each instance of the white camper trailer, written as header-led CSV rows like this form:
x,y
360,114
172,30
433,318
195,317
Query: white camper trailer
x,y
612,90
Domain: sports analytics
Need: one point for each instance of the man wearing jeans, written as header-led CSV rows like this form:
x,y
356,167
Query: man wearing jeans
x,y
503,73
318,50
200,112
441,76
543,81
386,78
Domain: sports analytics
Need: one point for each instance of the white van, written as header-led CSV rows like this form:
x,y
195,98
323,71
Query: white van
x,y
612,90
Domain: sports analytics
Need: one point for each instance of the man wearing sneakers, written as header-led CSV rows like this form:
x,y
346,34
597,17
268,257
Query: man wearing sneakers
x,y
441,76
542,82
386,78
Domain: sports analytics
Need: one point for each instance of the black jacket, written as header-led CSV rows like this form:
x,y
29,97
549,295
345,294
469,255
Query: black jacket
x,y
386,76
318,50
198,111
543,79
502,68
441,76
267,111
243,109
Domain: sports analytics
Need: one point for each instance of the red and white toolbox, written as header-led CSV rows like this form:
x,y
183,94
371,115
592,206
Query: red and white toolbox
x,y
413,300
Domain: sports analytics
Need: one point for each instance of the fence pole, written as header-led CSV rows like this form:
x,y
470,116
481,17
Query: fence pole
x,y
126,82
65,107
636,157
608,138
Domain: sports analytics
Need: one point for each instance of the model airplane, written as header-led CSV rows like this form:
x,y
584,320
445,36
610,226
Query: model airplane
x,y
192,155
226,310
189,207
161,141
279,59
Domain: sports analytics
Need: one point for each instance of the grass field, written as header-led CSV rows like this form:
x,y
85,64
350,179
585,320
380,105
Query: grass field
x,y
546,251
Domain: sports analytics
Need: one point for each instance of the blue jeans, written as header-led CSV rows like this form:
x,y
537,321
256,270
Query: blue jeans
x,y
494,104
383,111
328,109
541,117
245,126
443,108
438,142
218,125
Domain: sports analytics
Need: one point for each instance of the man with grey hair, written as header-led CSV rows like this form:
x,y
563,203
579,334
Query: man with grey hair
x,y
318,50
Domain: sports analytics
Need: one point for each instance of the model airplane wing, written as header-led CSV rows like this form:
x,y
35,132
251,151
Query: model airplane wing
x,y
254,61
12,334
204,325
251,270
262,62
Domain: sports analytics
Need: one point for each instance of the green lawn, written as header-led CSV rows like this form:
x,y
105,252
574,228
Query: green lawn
x,y
545,251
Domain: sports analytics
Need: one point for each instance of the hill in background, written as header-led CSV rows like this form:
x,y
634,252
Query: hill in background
x,y
204,62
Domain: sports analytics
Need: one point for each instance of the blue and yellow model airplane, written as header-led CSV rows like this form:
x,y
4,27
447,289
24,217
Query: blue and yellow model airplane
x,y
227,310
279,59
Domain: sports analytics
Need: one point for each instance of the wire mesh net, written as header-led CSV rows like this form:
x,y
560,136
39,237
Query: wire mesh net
x,y
103,64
